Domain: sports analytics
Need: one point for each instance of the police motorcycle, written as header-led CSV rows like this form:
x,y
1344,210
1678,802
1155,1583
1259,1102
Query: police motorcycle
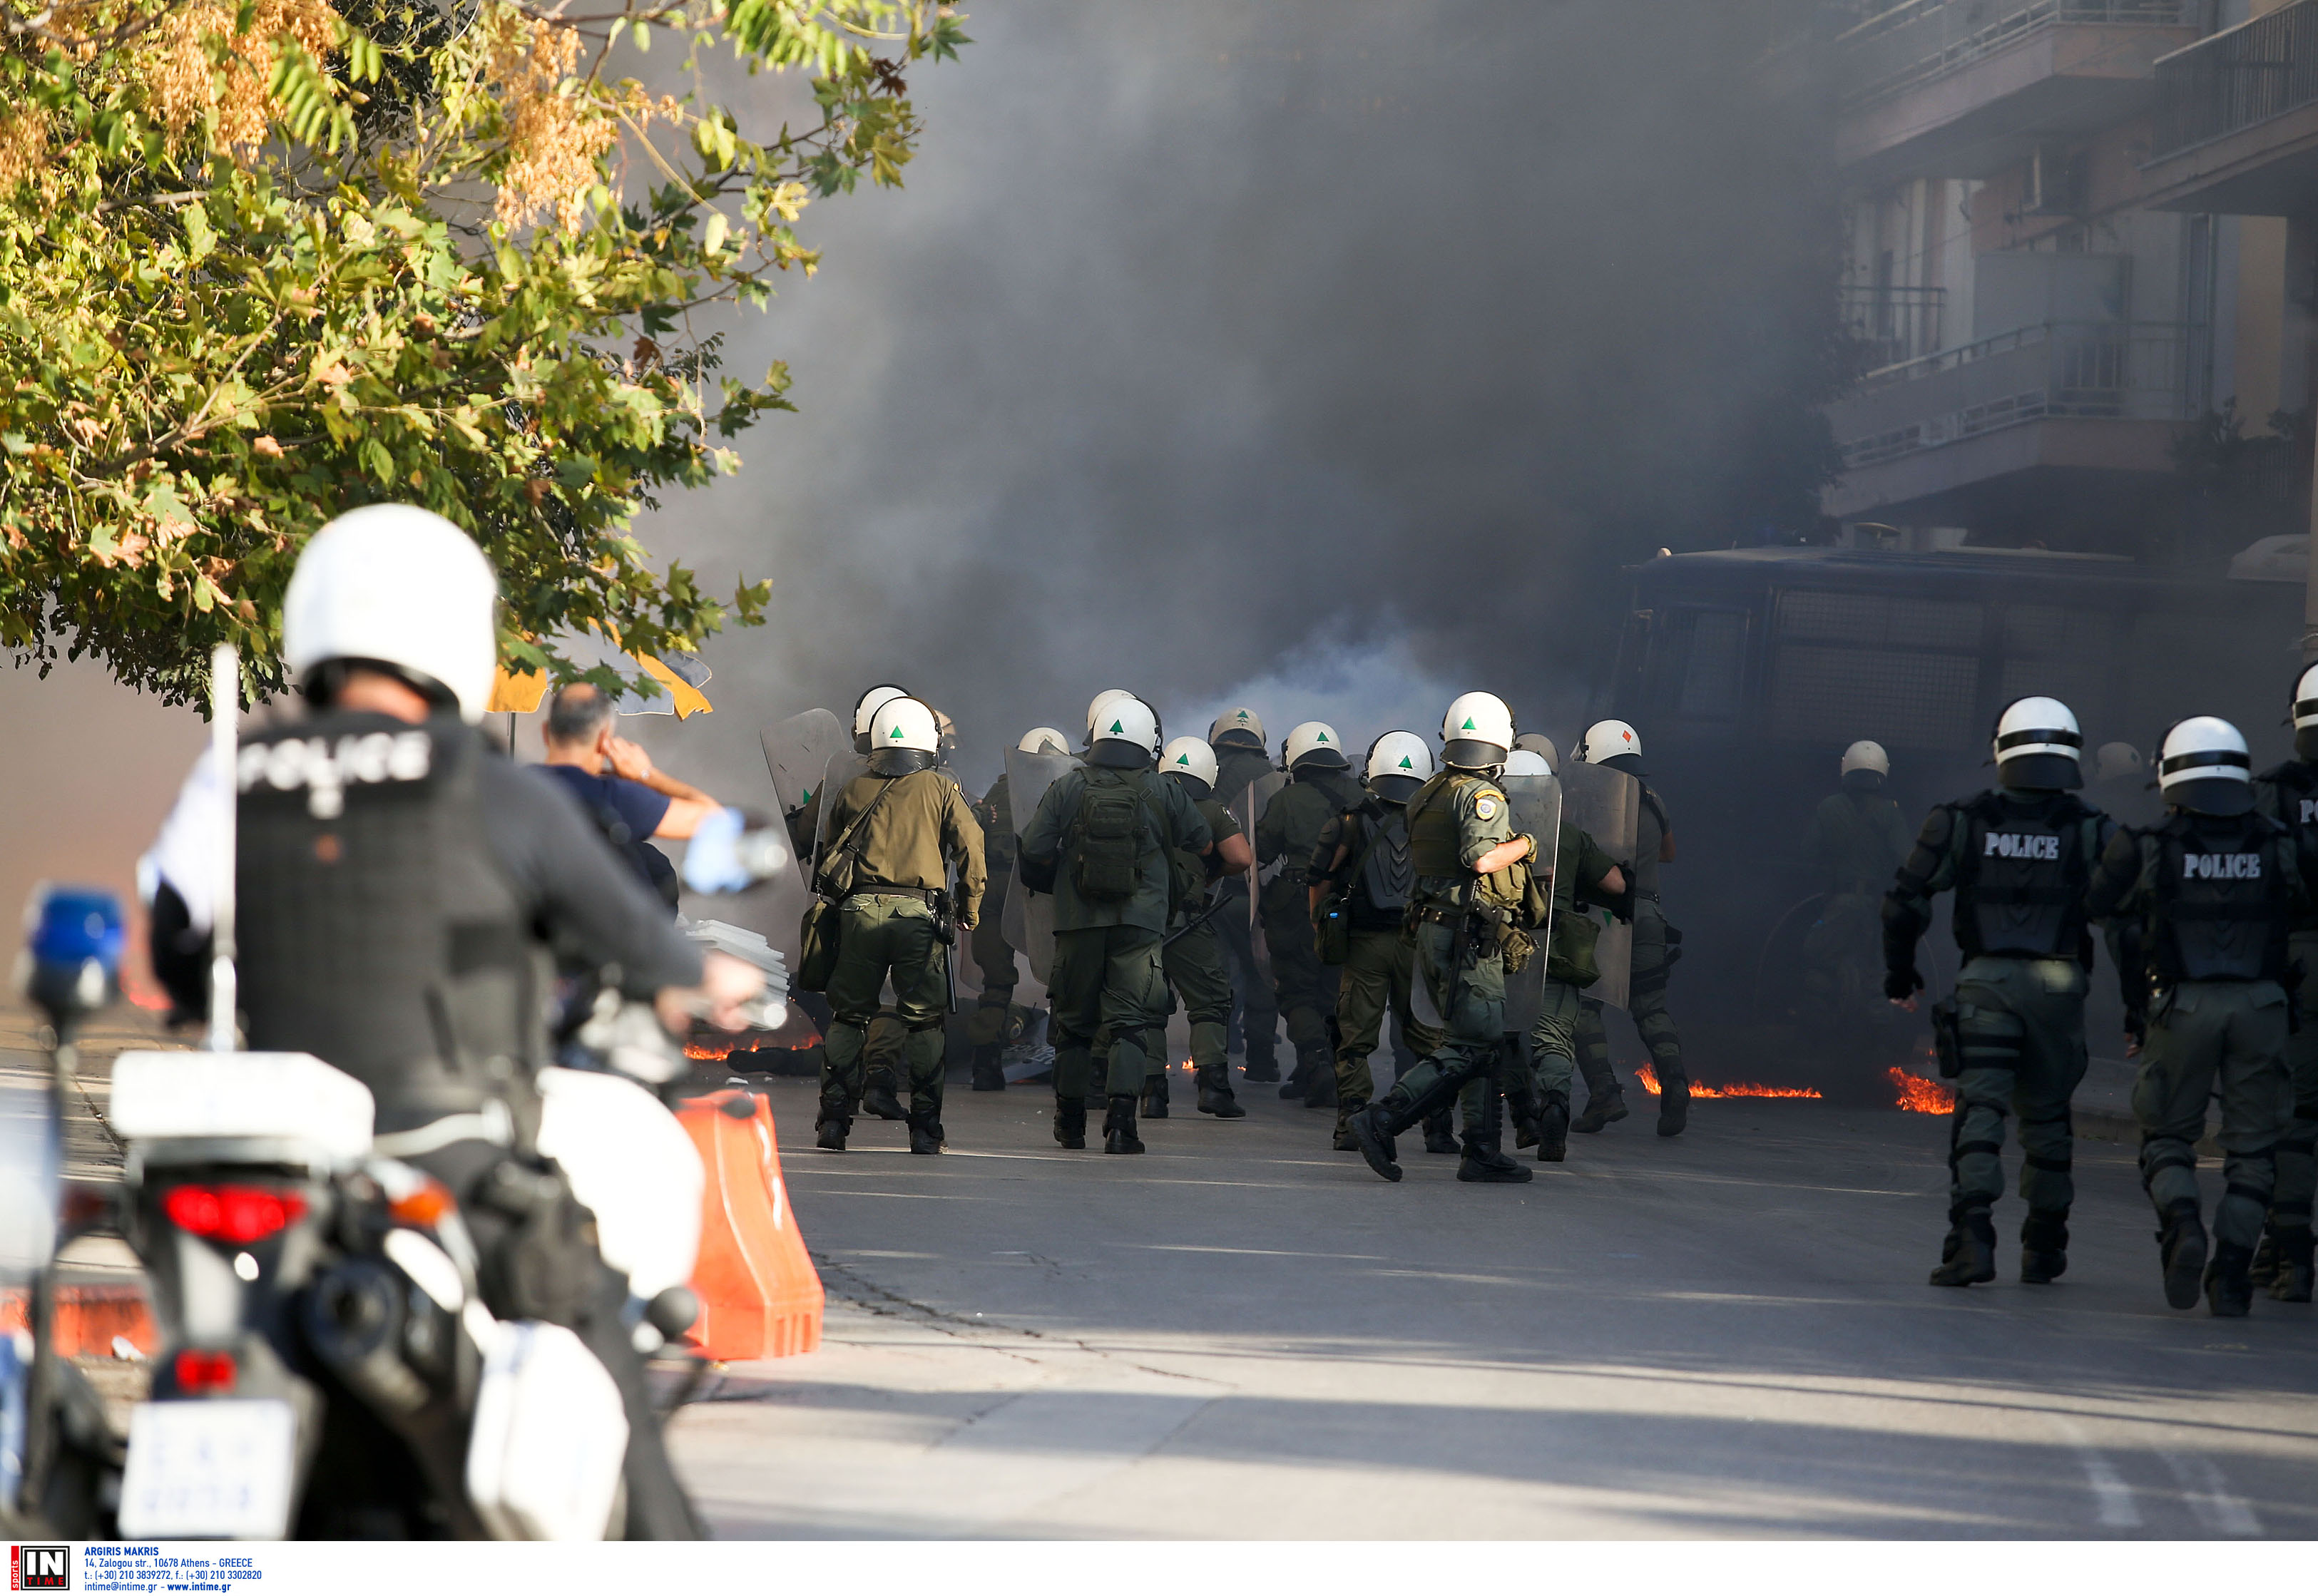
x,y
327,1364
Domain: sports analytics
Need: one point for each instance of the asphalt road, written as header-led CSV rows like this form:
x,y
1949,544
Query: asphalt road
x,y
1244,1334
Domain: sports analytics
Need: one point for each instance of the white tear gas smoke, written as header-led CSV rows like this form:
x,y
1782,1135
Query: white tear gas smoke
x,y
1207,330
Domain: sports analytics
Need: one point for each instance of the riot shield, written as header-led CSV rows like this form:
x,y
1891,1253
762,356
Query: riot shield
x,y
1248,809
835,778
796,752
1029,922
1536,803
1607,804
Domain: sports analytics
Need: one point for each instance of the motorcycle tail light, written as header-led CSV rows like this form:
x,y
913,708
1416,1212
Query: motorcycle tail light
x,y
235,1214
202,1374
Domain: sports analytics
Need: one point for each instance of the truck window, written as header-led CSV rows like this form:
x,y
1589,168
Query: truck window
x,y
1701,666
1904,671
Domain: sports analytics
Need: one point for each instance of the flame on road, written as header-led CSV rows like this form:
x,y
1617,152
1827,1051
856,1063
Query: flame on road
x,y
1744,1089
1920,1096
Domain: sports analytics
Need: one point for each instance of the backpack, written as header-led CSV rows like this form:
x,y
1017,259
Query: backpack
x,y
1105,845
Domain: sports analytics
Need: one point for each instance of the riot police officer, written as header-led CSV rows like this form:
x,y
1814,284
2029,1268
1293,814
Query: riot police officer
x,y
2020,860
2214,894
399,884
1242,758
1361,875
1857,841
1616,746
991,1026
2288,794
1100,842
1191,957
1464,850
1319,789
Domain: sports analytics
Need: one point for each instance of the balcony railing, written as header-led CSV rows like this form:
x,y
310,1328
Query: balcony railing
x,y
1922,38
1896,324
2099,369
2264,68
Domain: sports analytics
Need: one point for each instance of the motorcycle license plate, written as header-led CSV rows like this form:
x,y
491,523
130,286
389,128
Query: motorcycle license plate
x,y
209,1469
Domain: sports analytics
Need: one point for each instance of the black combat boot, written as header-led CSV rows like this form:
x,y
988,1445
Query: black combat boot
x,y
1263,1069
878,1099
1345,1141
2264,1268
2044,1246
1070,1123
1215,1096
1674,1104
1320,1085
2291,1282
990,1067
1373,1140
2228,1294
1118,1127
1605,1108
1441,1132
926,1133
831,1131
1485,1158
1968,1257
2181,1245
1553,1131
1155,1095
1296,1081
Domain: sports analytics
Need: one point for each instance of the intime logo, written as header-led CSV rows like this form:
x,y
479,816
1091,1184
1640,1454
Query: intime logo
x,y
39,1568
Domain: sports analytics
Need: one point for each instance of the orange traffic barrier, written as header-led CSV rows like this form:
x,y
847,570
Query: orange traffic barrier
x,y
88,1318
760,1294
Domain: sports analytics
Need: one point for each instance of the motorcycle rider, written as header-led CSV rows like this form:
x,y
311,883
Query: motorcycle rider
x,y
399,884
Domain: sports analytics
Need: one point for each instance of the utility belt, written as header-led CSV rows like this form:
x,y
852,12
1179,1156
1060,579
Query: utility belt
x,y
934,898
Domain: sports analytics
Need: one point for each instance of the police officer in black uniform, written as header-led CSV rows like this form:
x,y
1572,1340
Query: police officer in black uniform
x,y
399,885
2019,859
2289,795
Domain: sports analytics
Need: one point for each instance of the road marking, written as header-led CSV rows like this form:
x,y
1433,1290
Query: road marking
x,y
2220,1510
2112,1496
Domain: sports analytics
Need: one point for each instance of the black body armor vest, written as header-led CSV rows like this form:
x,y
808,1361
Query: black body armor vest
x,y
376,930
1388,874
2020,887
2219,910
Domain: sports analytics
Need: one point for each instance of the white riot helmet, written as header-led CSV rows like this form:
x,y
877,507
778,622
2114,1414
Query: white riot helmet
x,y
2305,715
1044,739
2039,747
1192,762
904,737
1100,703
1866,765
1527,762
1243,725
1476,731
865,712
1539,744
1127,736
2205,768
402,587
2117,762
1315,743
1398,763
1614,744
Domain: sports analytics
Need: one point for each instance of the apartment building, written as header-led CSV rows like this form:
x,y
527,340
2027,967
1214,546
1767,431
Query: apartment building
x,y
2074,250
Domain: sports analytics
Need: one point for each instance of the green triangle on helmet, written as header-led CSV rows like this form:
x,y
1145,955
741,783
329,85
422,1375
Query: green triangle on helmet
x,y
1468,725
1407,763
1115,726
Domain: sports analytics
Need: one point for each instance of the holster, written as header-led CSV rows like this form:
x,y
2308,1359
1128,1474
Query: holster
x,y
945,918
1948,1038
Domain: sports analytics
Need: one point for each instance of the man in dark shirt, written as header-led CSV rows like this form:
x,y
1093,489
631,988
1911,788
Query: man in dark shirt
x,y
617,783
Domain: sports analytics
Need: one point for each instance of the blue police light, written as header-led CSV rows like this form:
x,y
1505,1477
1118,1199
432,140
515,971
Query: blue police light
x,y
75,937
